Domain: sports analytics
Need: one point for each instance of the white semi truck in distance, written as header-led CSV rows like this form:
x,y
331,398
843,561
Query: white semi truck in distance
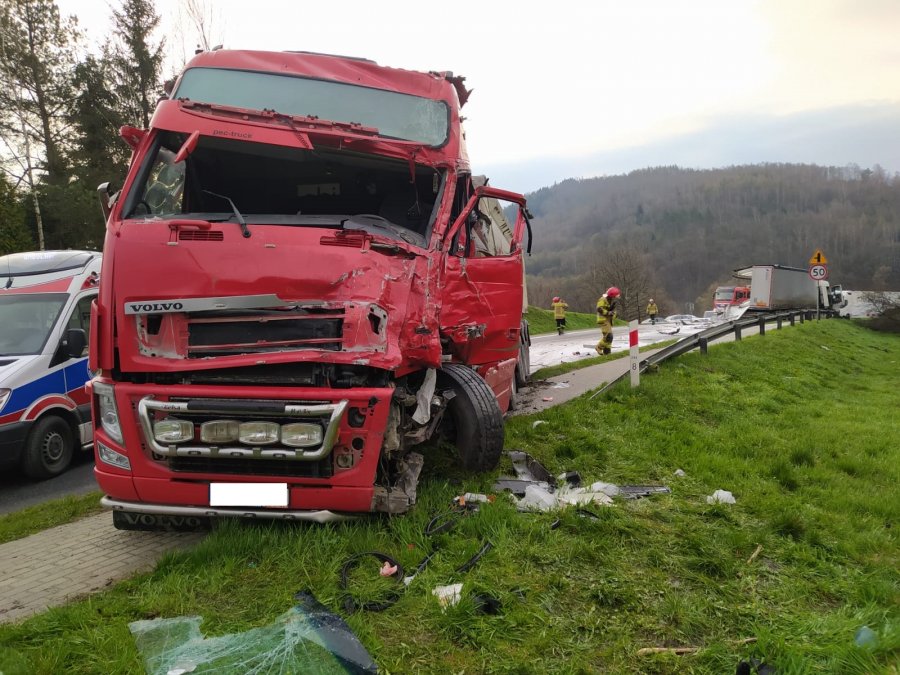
x,y
778,287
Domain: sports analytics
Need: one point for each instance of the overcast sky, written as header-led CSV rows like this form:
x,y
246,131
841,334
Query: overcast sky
x,y
607,86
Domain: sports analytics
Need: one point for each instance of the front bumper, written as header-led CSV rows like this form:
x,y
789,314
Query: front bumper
x,y
12,441
321,516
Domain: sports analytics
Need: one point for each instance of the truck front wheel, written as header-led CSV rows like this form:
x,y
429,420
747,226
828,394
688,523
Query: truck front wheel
x,y
473,420
49,448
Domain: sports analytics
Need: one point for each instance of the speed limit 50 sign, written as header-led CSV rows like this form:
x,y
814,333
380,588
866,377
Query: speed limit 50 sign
x,y
818,272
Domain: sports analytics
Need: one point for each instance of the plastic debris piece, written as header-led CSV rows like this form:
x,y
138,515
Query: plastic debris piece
x,y
720,497
639,491
561,385
305,639
680,473
448,595
423,397
537,423
866,638
825,348
547,399
528,468
537,499
573,478
388,570
486,604
476,497
516,485
606,488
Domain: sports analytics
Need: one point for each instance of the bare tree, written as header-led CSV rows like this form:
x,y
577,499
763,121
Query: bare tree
x,y
629,270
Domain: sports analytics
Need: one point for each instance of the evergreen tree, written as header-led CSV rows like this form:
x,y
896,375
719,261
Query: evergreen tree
x,y
136,61
14,236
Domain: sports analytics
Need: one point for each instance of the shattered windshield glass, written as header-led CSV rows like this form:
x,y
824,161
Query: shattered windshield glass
x,y
305,639
395,115
278,185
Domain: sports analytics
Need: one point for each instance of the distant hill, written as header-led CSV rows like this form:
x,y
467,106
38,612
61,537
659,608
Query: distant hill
x,y
688,229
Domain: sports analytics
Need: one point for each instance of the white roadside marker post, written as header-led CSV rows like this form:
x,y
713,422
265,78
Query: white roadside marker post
x,y
635,353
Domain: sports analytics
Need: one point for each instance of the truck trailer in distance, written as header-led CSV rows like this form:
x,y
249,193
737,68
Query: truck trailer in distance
x,y
778,287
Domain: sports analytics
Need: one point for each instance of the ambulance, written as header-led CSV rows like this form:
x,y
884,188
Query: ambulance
x,y
45,314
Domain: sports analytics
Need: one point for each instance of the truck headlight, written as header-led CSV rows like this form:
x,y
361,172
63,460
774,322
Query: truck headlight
x,y
220,431
171,430
301,435
258,433
4,397
109,413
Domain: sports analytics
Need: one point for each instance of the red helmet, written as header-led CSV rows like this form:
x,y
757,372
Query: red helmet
x,y
555,298
612,292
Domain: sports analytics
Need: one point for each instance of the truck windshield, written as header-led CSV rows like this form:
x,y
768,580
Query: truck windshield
x,y
395,115
724,293
27,321
277,185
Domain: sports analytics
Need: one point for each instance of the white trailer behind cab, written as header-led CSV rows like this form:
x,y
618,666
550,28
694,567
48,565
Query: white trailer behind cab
x,y
774,287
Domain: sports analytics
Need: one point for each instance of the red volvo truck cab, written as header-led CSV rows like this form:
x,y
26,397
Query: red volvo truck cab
x,y
302,282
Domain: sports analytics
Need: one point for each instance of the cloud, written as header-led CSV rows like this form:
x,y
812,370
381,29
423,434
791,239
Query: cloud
x,y
853,134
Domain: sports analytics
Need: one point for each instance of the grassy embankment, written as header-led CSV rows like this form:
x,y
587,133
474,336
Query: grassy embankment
x,y
541,321
49,514
801,425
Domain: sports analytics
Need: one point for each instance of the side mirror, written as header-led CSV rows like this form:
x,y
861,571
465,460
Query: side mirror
x,y
107,200
73,343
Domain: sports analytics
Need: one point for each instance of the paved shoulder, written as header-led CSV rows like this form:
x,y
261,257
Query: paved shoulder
x,y
65,562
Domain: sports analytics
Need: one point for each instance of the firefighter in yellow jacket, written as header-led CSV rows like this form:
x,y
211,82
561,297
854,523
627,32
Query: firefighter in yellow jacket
x,y
606,312
559,313
652,311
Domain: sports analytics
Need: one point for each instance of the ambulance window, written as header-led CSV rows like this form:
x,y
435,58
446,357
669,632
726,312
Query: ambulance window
x,y
81,316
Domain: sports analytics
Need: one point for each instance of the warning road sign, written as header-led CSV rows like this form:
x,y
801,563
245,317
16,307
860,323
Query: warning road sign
x,y
818,258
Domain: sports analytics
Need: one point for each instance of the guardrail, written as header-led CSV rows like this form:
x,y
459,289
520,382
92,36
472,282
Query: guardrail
x,y
702,339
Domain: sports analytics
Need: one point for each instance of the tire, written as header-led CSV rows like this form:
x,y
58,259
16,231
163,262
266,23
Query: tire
x,y
49,448
473,420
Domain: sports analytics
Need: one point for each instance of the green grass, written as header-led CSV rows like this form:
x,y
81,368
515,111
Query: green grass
x,y
805,438
49,514
569,366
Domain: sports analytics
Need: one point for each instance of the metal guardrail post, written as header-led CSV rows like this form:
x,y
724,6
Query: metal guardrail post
x,y
802,319
792,316
704,345
737,332
762,325
778,322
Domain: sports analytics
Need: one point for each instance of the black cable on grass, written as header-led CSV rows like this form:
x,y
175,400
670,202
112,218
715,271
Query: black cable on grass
x,y
350,604
470,563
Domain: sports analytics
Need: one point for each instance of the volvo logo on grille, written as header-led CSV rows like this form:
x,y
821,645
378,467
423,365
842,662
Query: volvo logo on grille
x,y
162,306
154,307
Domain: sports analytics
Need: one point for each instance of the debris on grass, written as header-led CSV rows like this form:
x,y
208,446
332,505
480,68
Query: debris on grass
x,y
680,473
448,595
755,553
537,423
720,497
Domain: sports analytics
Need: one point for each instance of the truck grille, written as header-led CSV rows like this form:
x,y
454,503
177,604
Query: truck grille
x,y
264,332
250,467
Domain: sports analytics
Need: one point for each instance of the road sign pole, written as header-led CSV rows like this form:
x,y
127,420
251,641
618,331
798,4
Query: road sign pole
x,y
635,353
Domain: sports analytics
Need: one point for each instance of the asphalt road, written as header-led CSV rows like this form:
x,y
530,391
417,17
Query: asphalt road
x,y
18,492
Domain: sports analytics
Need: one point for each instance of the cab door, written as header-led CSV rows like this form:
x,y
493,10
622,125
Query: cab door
x,y
484,278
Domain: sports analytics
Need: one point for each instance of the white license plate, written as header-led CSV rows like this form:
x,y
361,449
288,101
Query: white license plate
x,y
248,494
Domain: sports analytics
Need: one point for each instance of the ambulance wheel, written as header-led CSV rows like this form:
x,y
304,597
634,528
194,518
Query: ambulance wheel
x,y
49,448
473,420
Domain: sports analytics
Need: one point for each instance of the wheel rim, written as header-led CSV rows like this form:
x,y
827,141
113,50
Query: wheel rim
x,y
53,447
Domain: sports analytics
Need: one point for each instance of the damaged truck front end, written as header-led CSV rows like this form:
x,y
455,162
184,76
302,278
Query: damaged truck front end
x,y
300,289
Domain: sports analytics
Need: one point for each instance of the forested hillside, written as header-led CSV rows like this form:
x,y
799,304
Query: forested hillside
x,y
674,234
